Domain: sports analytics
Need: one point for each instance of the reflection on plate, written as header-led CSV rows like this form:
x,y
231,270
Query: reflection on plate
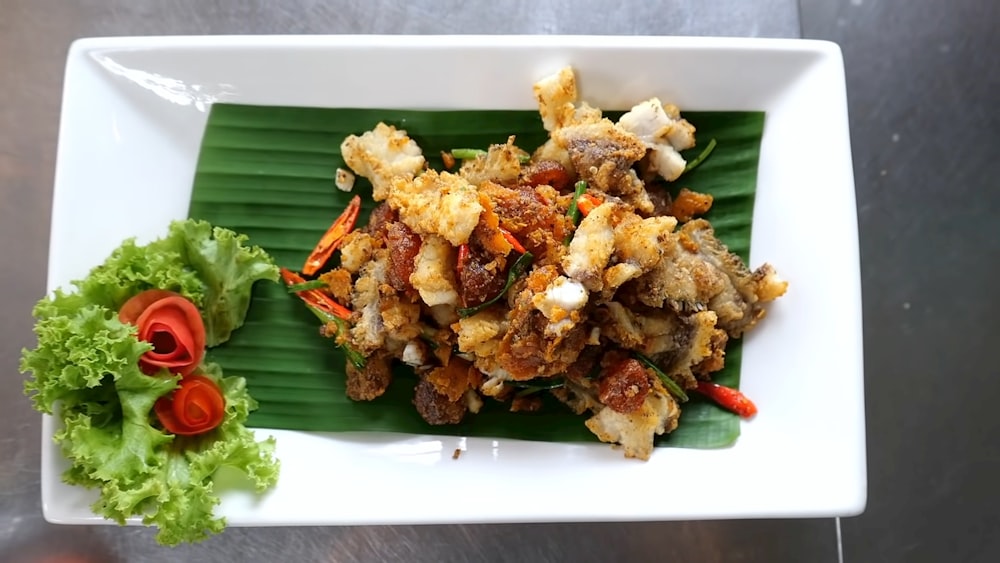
x,y
133,114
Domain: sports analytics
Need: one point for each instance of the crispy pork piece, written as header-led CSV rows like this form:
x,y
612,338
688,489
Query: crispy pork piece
x,y
688,205
698,272
530,348
480,334
591,247
371,381
697,341
437,204
434,274
624,383
663,132
556,95
687,345
635,430
368,332
382,154
403,245
435,407
754,288
619,325
530,215
603,155
356,251
638,248
500,164
639,241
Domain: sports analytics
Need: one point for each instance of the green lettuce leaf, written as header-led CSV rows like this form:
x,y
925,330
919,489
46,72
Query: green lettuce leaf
x,y
132,269
228,267
79,346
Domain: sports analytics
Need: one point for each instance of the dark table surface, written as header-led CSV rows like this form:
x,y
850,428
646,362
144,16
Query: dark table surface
x,y
922,78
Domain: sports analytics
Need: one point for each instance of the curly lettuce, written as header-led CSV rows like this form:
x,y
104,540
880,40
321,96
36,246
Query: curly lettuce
x,y
228,268
85,372
213,267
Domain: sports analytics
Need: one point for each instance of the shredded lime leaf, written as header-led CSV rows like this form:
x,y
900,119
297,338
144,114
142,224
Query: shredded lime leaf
x,y
701,157
306,286
667,381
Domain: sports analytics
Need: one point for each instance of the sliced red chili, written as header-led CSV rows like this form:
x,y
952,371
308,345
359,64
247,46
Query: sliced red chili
x,y
512,240
587,203
463,258
332,238
315,297
728,398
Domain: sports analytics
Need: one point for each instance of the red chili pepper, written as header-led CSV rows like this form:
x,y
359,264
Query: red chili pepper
x,y
587,203
728,398
196,406
463,257
510,238
332,238
315,297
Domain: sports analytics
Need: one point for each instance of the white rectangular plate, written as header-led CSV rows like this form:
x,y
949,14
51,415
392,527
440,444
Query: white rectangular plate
x,y
132,118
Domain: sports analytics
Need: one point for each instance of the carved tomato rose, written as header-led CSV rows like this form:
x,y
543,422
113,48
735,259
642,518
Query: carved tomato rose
x,y
196,406
172,324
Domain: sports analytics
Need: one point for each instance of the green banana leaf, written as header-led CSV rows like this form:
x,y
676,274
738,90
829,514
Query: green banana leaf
x,y
269,172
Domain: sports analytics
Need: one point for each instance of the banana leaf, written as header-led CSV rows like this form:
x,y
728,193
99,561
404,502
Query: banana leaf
x,y
269,172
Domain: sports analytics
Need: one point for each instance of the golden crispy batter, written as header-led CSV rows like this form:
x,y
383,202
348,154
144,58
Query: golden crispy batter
x,y
688,205
480,334
556,94
434,275
527,349
455,378
338,281
591,247
382,154
500,164
437,204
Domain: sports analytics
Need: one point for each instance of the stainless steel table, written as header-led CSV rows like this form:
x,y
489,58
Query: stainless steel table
x,y
920,82
33,40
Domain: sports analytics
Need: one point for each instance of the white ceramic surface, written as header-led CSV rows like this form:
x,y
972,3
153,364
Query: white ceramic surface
x,y
132,118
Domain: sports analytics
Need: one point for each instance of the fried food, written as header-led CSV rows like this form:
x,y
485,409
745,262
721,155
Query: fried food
x,y
434,281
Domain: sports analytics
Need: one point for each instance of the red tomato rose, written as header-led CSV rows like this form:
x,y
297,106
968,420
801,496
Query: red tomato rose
x,y
172,324
196,406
